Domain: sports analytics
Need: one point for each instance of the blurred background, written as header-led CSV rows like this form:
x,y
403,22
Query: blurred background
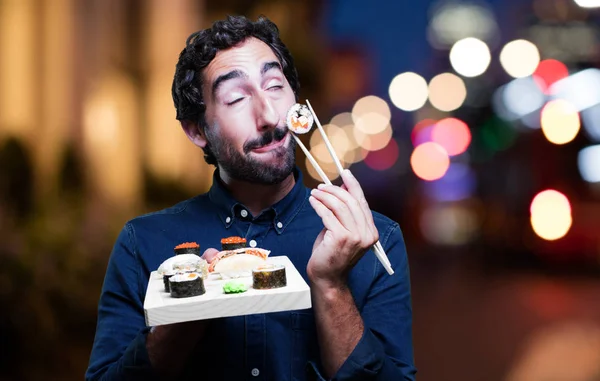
x,y
474,124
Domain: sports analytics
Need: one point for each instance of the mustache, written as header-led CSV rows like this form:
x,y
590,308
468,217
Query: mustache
x,y
266,138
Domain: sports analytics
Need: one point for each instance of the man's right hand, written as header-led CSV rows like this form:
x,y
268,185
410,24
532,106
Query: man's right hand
x,y
170,345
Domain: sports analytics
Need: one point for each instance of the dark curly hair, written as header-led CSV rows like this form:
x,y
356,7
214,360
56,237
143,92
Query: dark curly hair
x,y
202,47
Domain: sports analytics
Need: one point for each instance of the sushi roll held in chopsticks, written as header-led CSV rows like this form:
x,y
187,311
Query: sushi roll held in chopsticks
x,y
299,119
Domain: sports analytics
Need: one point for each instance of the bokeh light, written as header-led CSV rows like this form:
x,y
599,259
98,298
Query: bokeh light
x,y
355,153
591,122
582,89
470,57
588,3
429,161
421,132
588,162
560,121
519,58
339,140
449,224
550,215
373,142
384,158
452,134
371,114
329,169
457,184
453,21
496,135
342,119
408,91
549,72
518,98
447,92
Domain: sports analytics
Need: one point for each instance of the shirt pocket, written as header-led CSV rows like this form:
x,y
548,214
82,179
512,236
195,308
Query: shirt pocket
x,y
305,345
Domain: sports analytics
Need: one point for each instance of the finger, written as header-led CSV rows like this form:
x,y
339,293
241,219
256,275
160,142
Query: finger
x,y
338,207
356,191
330,221
209,254
352,204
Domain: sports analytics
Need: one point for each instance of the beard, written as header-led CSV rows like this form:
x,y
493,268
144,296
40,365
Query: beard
x,y
244,167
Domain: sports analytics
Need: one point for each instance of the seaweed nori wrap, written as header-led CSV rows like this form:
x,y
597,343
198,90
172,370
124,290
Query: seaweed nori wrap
x,y
187,248
269,276
186,285
166,278
232,243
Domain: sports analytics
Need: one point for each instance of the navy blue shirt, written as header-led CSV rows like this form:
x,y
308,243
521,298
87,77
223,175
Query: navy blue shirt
x,y
276,346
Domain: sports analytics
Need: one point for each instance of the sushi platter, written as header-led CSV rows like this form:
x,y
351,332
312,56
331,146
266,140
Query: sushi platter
x,y
160,307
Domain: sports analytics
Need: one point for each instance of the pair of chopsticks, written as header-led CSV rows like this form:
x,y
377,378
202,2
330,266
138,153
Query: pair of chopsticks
x,y
377,248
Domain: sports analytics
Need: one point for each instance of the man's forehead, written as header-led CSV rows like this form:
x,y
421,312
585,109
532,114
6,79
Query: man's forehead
x,y
249,55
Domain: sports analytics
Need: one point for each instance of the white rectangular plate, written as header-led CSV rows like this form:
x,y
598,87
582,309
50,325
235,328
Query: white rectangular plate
x,y
160,308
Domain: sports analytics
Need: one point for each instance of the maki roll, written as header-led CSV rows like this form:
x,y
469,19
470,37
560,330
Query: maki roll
x,y
232,243
186,285
166,277
299,119
187,248
269,276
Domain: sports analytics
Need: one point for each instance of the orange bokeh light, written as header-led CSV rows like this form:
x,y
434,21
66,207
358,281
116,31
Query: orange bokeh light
x,y
430,161
452,134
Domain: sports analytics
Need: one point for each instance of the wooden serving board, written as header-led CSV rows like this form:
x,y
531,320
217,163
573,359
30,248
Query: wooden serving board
x,y
160,308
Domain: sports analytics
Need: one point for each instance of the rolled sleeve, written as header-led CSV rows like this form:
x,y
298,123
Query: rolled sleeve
x,y
364,363
384,351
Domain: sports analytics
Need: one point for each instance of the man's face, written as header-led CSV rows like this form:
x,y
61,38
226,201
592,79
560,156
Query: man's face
x,y
247,98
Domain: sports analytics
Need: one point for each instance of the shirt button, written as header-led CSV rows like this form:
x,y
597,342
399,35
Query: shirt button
x,y
252,243
255,372
244,213
279,225
228,219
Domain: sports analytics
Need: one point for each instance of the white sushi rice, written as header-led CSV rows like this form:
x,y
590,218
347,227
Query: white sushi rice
x,y
181,262
184,277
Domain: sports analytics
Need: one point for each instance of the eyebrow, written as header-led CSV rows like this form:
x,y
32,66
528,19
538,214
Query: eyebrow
x,y
226,77
270,65
240,74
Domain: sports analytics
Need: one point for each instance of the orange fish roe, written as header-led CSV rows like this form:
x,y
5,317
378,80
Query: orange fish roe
x,y
187,245
234,239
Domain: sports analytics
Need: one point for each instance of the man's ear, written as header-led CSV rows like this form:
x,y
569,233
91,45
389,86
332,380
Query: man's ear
x,y
194,132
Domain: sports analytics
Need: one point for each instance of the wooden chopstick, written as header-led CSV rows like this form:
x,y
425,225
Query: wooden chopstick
x,y
377,248
311,159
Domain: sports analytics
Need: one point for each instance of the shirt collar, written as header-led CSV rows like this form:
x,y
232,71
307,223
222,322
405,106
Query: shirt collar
x,y
280,214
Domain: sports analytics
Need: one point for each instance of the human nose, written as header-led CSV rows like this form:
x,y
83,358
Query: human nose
x,y
267,116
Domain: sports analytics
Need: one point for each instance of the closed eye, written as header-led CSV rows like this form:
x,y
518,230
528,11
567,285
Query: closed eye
x,y
276,87
234,101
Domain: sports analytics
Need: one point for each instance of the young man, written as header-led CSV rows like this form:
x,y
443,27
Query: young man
x,y
233,85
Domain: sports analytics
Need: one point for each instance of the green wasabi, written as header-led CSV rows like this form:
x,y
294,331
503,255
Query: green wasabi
x,y
233,287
